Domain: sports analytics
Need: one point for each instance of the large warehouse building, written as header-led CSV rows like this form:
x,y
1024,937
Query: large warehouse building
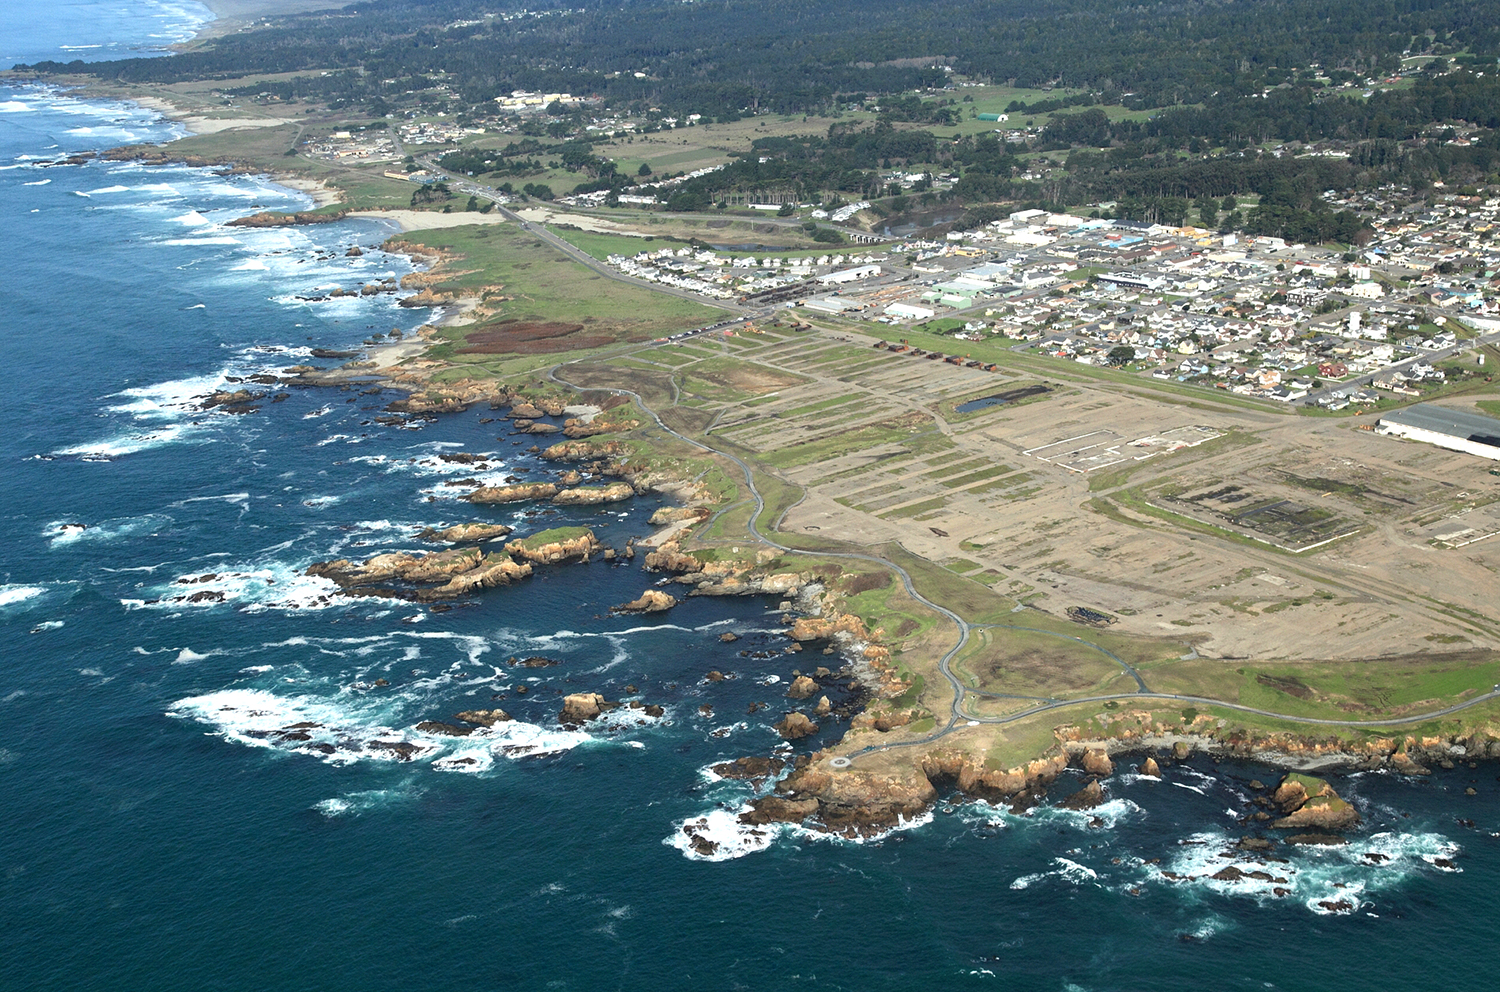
x,y
1458,430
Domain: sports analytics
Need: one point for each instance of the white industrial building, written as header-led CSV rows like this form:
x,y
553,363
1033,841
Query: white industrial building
x,y
849,275
905,311
1456,430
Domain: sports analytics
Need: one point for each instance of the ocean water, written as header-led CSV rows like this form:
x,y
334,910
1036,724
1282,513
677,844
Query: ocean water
x,y
156,837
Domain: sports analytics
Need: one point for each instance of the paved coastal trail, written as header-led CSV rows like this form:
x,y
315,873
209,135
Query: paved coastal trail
x,y
959,715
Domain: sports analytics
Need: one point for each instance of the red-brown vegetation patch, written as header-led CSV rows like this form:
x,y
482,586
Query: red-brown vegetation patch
x,y
514,335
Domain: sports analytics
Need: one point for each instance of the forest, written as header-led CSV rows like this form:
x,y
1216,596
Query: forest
x,y
738,56
1172,105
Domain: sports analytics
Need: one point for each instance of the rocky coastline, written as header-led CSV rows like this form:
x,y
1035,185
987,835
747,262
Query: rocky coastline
x,y
812,791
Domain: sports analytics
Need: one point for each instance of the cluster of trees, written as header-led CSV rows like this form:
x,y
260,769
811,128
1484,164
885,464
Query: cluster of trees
x,y
1236,75
724,59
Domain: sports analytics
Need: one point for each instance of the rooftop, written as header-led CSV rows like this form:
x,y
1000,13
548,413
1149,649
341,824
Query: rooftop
x,y
1446,420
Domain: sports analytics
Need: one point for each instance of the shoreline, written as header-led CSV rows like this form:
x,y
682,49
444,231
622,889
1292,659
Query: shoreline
x,y
234,15
907,772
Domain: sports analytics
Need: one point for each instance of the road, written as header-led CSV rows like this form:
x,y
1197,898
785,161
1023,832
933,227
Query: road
x,y
959,713
576,254
1401,366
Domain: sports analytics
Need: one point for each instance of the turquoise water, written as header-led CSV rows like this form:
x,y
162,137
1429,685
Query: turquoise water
x,y
152,840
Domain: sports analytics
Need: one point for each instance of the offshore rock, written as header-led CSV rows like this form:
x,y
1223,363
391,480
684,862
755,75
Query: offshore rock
x,y
1310,802
802,687
592,495
482,718
1088,797
405,576
1150,767
552,552
651,601
512,494
795,726
823,708
464,533
749,768
443,729
582,707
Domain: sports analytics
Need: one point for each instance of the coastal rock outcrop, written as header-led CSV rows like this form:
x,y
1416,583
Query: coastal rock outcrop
x,y
795,726
801,687
436,576
749,768
650,601
851,802
824,628
583,451
1150,767
674,514
1309,802
1095,761
512,494
272,218
1088,797
592,495
464,533
552,547
671,558
581,707
482,718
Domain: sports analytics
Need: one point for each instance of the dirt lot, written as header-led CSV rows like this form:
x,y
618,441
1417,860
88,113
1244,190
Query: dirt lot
x,y
1187,530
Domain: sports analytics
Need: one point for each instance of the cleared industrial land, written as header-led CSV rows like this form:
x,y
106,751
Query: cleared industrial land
x,y
1217,534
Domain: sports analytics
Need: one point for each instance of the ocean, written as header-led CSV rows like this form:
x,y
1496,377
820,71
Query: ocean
x,y
160,834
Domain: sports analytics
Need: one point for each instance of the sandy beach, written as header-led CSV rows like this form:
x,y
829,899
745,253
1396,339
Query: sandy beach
x,y
235,15
424,220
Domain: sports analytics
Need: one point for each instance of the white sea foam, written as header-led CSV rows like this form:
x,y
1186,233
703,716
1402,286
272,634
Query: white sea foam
x,y
11,595
253,589
190,242
1328,880
720,836
110,189
1104,816
63,533
39,182
1064,870
347,728
338,730
169,398
15,107
125,444
354,803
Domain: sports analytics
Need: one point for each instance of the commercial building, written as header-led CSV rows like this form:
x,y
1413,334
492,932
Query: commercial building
x,y
849,275
906,311
1130,280
1456,430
